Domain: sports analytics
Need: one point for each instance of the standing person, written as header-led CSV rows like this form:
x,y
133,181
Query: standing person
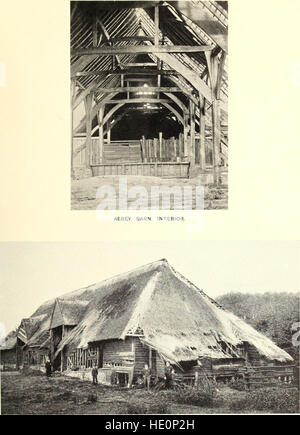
x,y
147,376
95,375
48,368
168,375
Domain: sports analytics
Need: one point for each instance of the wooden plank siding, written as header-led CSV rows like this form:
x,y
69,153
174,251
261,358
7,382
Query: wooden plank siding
x,y
141,356
165,169
126,356
117,353
8,359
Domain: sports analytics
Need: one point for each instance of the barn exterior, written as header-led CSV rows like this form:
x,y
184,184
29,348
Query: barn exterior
x,y
152,315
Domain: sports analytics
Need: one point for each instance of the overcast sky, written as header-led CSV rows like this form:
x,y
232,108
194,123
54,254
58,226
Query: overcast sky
x,y
31,273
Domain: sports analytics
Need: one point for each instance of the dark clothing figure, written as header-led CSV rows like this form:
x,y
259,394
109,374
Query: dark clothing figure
x,y
140,381
168,376
95,375
247,378
147,377
48,369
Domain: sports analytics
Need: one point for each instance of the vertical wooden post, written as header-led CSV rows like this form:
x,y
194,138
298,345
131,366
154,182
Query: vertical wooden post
x,y
216,139
185,134
215,69
142,150
166,145
101,137
88,109
177,150
160,146
196,377
173,148
149,151
156,40
145,155
128,93
108,130
150,357
159,66
192,133
202,132
180,147
155,140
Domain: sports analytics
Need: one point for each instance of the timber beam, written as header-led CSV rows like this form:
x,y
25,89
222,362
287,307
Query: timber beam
x,y
132,38
138,100
127,71
146,89
139,49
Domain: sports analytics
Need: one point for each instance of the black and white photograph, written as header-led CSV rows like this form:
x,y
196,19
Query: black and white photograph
x,y
150,328
149,90
144,278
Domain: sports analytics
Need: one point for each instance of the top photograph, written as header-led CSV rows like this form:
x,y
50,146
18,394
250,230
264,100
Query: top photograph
x,y
149,95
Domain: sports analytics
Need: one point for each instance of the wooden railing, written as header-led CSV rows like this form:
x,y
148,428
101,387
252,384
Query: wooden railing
x,y
163,150
255,376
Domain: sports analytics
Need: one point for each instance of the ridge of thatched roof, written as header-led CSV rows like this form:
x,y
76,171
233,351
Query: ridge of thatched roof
x,y
70,312
175,317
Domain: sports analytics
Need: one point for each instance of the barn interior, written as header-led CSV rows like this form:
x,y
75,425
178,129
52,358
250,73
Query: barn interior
x,y
149,88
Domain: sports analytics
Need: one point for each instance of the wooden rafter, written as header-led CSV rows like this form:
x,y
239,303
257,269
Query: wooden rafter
x,y
127,72
139,49
138,89
138,100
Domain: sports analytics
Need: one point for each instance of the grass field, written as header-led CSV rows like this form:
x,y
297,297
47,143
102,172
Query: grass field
x,y
34,393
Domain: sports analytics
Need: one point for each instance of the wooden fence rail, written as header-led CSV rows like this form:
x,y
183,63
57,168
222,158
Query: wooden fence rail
x,y
163,150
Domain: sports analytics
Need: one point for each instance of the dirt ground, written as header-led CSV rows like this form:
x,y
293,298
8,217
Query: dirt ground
x,y
36,394
84,190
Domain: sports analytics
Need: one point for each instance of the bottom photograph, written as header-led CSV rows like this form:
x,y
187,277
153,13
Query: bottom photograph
x,y
195,327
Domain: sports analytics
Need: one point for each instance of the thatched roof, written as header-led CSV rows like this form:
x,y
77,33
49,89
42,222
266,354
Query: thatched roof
x,y
72,304
42,332
67,312
10,341
175,317
36,327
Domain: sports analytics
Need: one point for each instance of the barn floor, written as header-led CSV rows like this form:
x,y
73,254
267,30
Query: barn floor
x,y
33,393
84,190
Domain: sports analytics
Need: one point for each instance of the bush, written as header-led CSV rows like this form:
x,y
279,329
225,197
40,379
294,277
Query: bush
x,y
238,384
92,398
133,407
66,395
160,406
283,400
202,394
